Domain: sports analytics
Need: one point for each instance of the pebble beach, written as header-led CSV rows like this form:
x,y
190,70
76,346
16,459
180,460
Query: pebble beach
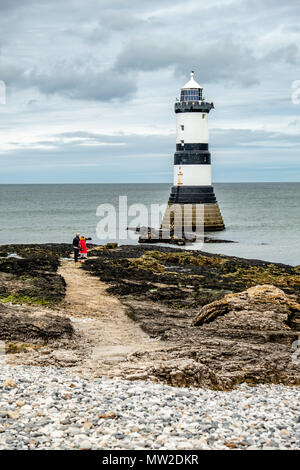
x,y
49,408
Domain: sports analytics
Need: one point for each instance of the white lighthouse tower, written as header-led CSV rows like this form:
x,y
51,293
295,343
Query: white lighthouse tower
x,y
192,186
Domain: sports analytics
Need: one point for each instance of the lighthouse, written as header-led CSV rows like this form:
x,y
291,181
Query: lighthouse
x,y
192,199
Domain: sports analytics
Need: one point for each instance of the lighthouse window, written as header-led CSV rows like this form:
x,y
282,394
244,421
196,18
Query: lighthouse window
x,y
191,95
182,128
203,116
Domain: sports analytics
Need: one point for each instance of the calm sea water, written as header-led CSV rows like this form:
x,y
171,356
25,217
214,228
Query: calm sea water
x,y
264,218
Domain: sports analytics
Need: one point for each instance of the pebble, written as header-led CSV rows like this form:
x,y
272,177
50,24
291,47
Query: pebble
x,y
115,414
13,414
9,383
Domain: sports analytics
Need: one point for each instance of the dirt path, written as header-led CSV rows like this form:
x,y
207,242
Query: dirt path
x,y
109,336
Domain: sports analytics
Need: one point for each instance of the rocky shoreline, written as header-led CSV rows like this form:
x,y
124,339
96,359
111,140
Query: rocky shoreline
x,y
217,321
147,347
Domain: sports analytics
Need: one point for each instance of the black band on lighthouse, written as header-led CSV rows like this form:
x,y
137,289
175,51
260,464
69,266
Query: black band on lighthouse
x,y
192,195
183,147
193,107
192,158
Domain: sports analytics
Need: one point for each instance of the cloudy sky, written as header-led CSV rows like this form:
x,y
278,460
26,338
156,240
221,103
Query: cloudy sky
x,y
91,85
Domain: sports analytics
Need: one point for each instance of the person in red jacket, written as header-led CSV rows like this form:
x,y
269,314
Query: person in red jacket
x,y
82,248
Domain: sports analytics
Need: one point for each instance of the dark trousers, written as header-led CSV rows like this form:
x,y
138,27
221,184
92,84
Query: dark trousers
x,y
76,253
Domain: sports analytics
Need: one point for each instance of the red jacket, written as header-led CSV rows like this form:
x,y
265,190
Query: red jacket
x,y
82,246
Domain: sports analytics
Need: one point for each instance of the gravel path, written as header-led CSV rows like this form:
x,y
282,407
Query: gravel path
x,y
101,321
48,408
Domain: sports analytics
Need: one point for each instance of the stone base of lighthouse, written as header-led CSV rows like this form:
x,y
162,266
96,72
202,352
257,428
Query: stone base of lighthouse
x,y
192,209
191,217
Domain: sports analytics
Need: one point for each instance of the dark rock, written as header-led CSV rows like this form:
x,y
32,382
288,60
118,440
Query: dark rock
x,y
16,325
31,276
151,235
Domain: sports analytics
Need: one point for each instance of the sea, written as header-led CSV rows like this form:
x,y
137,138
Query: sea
x,y
262,218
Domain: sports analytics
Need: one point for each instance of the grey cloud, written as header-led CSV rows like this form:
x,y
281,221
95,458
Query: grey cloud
x,y
289,54
243,138
11,4
219,60
78,79
10,72
150,40
113,22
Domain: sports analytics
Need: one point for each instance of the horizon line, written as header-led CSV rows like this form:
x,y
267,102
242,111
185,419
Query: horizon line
x,y
142,182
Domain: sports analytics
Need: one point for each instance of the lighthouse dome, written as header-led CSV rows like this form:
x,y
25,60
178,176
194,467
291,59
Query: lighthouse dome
x,y
191,84
191,91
